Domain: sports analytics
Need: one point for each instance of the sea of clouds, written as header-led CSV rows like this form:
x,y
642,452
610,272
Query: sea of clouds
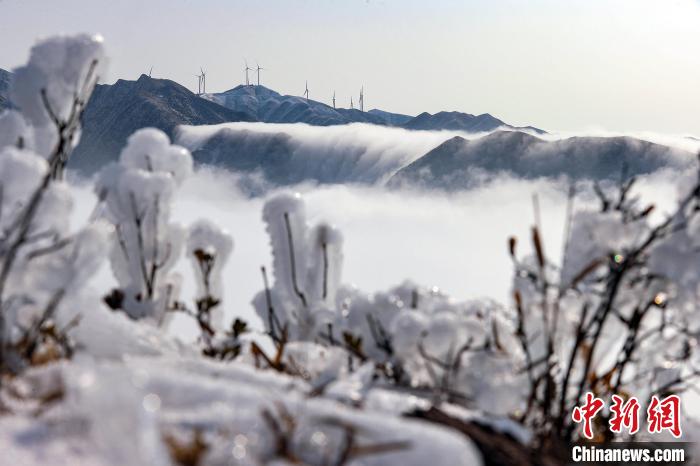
x,y
366,154
457,242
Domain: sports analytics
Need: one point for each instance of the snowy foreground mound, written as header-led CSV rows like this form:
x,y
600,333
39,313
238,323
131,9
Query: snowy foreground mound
x,y
337,376
151,410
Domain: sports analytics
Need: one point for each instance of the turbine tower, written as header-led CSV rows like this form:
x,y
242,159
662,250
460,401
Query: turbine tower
x,y
333,99
351,105
247,68
258,69
204,81
150,71
199,84
306,92
362,99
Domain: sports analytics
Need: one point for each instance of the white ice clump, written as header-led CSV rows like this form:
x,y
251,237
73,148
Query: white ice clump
x,y
15,131
61,70
209,248
137,193
307,263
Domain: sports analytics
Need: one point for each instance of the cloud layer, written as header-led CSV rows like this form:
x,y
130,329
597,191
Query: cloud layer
x,y
289,154
456,242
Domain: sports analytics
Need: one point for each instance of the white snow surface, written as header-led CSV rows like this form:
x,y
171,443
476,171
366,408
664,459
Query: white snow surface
x,y
137,399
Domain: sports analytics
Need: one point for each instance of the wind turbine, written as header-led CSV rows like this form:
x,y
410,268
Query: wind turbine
x,y
150,71
247,68
306,92
199,84
258,70
333,99
351,106
204,81
362,99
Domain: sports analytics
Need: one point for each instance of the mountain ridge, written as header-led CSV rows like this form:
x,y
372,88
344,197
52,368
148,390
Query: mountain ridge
x,y
458,162
115,111
460,121
269,106
4,88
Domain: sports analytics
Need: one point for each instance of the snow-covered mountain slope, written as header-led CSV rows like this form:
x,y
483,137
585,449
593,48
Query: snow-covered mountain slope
x,y
293,153
392,119
458,162
458,121
115,111
263,104
4,86
287,154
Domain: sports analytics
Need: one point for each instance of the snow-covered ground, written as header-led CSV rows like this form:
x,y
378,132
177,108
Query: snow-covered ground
x,y
116,412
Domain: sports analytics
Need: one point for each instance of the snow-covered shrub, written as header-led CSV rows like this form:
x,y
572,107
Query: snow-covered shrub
x,y
416,337
44,265
208,248
137,193
617,317
307,266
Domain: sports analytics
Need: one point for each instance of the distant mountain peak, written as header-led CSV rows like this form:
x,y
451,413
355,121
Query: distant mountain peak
x,y
460,121
458,163
269,106
115,111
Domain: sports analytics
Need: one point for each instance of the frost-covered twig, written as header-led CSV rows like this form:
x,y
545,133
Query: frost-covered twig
x,y
51,98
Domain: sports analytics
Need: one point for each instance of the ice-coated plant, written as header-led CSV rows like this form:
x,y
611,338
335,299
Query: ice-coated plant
x,y
137,193
208,248
44,264
51,91
619,314
416,337
307,266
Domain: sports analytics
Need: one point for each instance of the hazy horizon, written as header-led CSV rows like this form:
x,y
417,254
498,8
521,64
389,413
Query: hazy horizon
x,y
618,65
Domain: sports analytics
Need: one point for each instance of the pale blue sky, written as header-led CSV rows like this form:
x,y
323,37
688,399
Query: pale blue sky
x,y
619,65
